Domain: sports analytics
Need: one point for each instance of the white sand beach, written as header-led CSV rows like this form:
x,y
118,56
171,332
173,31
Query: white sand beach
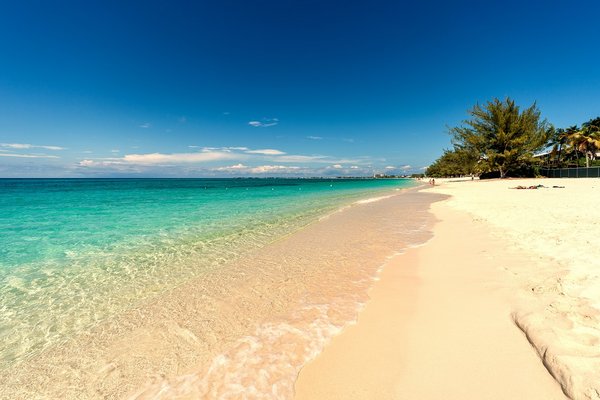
x,y
496,295
502,303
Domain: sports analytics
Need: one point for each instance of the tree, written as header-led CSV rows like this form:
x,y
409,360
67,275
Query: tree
x,y
593,124
504,137
590,139
455,162
557,142
585,140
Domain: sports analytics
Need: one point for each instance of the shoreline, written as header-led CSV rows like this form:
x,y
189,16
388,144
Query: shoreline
x,y
439,324
270,312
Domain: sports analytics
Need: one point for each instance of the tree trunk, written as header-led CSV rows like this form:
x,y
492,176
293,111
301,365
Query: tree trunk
x,y
587,159
502,173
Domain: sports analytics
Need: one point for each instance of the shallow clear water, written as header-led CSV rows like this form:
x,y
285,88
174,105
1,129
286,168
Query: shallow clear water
x,y
75,252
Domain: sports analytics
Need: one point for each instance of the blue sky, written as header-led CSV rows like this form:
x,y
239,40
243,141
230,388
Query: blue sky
x,y
306,88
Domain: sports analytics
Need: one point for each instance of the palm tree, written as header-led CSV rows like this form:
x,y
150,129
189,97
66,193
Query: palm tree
x,y
592,133
594,124
570,138
558,142
586,140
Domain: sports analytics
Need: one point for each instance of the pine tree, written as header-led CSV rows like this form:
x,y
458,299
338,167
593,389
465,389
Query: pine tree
x,y
503,136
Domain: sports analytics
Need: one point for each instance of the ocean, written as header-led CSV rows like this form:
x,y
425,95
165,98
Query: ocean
x,y
76,252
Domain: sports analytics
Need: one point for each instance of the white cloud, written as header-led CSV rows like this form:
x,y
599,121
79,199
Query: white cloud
x,y
314,137
275,155
265,123
22,146
273,168
267,152
87,163
225,149
161,158
246,161
146,125
298,158
16,145
115,150
261,169
301,158
349,140
405,167
235,167
238,166
26,155
112,165
390,167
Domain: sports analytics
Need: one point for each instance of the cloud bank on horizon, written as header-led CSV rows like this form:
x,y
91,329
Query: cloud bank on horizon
x,y
240,161
201,161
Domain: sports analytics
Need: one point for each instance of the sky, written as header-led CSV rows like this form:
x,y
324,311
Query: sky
x,y
276,88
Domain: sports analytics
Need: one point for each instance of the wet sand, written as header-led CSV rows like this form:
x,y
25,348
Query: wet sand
x,y
437,325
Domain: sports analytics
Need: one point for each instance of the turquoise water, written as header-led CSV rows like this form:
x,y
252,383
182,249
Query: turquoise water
x,y
75,252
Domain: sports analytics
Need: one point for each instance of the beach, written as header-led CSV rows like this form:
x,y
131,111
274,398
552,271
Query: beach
x,y
501,303
468,289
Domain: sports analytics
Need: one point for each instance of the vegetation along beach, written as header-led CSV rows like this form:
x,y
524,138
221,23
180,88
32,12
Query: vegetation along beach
x,y
304,200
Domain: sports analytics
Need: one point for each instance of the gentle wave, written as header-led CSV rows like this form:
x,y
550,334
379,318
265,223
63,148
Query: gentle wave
x,y
265,365
373,199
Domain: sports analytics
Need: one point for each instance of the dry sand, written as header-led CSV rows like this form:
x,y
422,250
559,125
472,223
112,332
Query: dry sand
x,y
507,291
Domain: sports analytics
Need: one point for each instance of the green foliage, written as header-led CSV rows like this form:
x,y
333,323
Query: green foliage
x,y
587,140
503,137
558,144
525,170
570,144
455,162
